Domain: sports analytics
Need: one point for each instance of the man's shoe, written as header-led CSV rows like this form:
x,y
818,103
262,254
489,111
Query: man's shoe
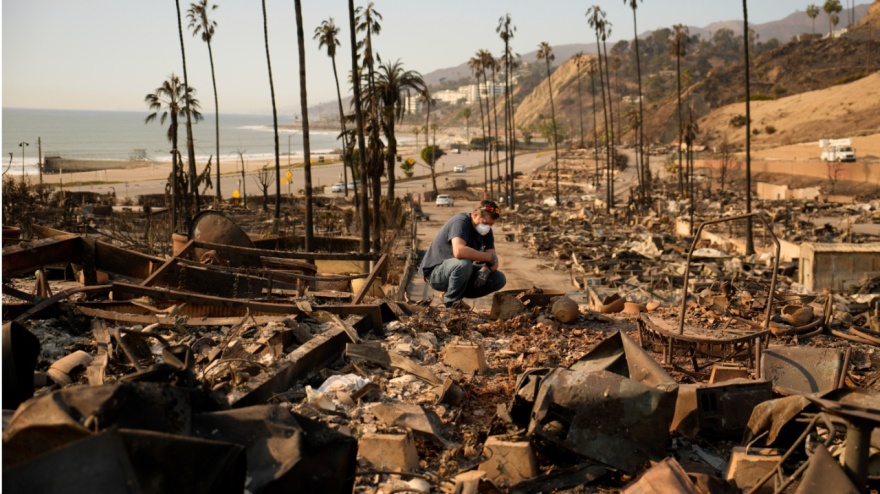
x,y
457,305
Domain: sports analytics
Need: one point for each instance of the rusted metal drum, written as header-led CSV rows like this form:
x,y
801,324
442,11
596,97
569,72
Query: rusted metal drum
x,y
217,228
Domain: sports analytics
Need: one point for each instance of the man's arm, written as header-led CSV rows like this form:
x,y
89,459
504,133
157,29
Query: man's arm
x,y
460,250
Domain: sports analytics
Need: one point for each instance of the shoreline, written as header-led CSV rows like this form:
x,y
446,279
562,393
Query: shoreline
x,y
140,171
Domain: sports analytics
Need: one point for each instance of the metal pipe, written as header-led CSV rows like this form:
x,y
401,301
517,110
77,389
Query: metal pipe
x,y
858,448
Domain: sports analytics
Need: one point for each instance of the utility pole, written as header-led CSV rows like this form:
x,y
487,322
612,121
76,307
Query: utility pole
x,y
22,145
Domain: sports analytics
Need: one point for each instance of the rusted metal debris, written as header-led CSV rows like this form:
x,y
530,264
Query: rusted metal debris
x,y
614,405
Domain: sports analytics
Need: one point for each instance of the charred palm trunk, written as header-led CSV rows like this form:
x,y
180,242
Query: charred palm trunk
x,y
611,156
304,108
359,116
190,150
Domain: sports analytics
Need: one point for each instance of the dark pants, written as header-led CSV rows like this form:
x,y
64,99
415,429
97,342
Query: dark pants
x,y
456,278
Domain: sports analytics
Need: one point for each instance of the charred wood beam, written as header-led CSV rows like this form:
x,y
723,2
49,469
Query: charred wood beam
x,y
249,251
165,320
380,266
170,262
310,357
373,311
49,302
27,257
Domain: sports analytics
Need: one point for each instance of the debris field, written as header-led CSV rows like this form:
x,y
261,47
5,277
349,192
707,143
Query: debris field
x,y
673,362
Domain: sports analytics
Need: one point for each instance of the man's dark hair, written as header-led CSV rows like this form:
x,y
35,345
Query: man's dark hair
x,y
490,209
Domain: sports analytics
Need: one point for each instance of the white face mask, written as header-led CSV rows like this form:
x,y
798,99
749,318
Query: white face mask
x,y
483,229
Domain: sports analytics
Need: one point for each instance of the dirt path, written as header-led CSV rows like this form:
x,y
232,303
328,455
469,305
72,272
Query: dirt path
x,y
521,269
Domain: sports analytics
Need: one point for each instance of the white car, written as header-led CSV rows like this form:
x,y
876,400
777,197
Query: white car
x,y
444,200
337,187
459,169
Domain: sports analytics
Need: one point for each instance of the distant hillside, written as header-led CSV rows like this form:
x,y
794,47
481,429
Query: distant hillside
x,y
843,110
715,74
783,30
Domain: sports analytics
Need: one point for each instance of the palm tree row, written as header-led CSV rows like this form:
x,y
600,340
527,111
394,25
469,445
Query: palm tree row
x,y
381,90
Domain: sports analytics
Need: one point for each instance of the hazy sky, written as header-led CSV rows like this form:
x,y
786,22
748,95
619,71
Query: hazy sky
x,y
108,54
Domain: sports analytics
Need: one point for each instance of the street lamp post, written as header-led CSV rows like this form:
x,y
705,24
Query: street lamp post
x,y
22,145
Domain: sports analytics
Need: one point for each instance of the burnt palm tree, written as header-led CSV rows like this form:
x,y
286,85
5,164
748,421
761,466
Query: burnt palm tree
x,y
491,63
612,154
750,241
201,24
690,135
274,120
327,35
679,40
596,19
476,66
392,82
641,164
190,148
505,30
304,109
426,98
169,102
359,117
580,61
368,23
591,69
545,53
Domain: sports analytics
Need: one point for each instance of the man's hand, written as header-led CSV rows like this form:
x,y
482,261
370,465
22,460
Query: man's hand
x,y
493,264
482,277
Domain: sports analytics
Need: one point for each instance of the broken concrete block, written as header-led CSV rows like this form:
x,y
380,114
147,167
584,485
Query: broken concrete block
x,y
747,467
509,462
395,452
505,306
727,372
466,357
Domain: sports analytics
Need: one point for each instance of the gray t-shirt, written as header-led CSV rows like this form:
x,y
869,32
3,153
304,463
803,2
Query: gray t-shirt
x,y
459,226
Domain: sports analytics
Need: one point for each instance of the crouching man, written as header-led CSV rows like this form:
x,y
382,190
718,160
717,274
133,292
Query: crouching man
x,y
461,260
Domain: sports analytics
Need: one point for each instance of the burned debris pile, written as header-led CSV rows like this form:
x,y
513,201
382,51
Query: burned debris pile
x,y
672,363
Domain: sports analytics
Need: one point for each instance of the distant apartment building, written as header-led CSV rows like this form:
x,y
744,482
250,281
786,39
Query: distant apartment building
x,y
462,95
413,103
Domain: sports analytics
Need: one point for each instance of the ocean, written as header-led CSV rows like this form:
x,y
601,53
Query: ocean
x,y
83,134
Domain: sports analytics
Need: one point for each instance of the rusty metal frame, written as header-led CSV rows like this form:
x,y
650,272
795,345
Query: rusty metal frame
x,y
687,270
732,343
651,330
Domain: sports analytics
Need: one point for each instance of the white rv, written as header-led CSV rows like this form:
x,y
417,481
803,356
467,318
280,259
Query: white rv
x,y
837,150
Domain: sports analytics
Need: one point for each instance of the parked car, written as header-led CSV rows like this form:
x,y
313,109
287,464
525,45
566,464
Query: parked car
x,y
444,200
337,187
459,168
351,185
